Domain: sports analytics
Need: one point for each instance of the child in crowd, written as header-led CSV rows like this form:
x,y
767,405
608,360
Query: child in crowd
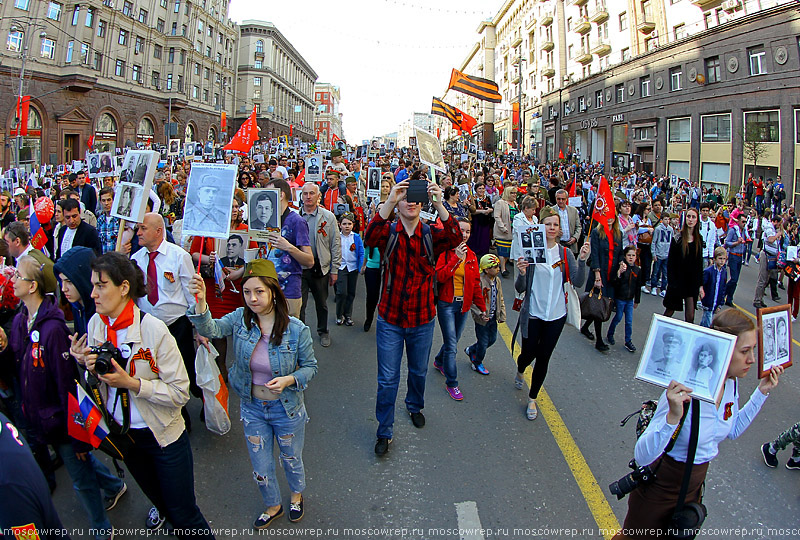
x,y
662,238
770,449
486,326
627,294
352,260
715,278
675,223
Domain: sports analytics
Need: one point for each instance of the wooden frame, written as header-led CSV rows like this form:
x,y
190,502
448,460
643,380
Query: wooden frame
x,y
774,344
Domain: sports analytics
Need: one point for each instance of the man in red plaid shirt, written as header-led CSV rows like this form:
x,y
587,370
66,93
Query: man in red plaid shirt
x,y
407,308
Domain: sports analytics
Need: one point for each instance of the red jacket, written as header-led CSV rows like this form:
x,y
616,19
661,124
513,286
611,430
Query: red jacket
x,y
445,269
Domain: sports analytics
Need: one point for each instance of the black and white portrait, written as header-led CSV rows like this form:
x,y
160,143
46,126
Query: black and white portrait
x,y
473,149
314,168
128,202
93,160
209,194
188,150
232,250
695,356
174,147
775,338
139,167
538,239
430,152
208,149
118,162
374,182
264,212
107,164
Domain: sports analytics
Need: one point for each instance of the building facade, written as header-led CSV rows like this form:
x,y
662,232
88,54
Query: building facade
x,y
276,80
712,106
327,118
114,71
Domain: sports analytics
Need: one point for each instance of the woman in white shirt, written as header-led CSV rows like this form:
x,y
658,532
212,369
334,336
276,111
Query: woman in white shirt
x,y
542,316
651,506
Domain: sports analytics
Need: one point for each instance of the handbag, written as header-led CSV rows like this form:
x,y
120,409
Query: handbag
x,y
571,297
595,306
646,238
688,518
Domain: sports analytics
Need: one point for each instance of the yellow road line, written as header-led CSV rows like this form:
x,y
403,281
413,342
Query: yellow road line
x,y
592,493
740,308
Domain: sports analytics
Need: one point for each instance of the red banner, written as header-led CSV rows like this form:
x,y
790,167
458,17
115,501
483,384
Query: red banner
x,y
223,121
604,209
246,136
515,115
23,106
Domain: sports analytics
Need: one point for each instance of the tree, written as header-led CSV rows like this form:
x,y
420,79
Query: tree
x,y
753,146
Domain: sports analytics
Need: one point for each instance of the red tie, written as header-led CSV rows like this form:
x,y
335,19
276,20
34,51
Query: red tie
x,y
152,279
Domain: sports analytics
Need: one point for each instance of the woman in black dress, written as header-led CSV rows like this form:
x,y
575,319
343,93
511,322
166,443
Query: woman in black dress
x,y
685,269
482,222
604,262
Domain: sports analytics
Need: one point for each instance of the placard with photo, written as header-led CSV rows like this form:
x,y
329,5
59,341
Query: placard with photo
x,y
429,212
174,147
692,355
374,182
314,168
430,152
139,167
209,196
774,338
532,242
129,202
264,212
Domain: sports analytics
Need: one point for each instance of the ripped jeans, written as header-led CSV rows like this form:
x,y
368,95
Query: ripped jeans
x,y
267,421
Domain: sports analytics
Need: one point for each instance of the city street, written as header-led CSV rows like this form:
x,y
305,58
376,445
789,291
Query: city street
x,y
479,463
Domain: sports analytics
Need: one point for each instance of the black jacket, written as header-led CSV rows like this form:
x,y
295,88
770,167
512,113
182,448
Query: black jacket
x,y
85,235
89,197
626,286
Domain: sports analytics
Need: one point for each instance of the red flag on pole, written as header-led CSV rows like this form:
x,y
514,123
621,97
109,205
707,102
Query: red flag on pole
x,y
467,122
23,105
560,154
573,189
604,209
291,129
90,142
246,136
223,121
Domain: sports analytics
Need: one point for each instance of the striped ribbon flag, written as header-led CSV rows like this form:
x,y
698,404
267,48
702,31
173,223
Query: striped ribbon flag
x,y
441,108
476,87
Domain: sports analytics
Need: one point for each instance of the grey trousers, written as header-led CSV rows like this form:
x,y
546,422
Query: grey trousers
x,y
765,276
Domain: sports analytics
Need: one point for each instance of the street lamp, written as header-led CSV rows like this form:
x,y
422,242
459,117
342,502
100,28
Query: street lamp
x,y
20,26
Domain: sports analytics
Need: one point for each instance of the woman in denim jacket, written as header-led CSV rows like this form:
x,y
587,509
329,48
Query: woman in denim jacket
x,y
274,361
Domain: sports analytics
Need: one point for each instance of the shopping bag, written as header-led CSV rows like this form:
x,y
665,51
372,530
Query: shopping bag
x,y
215,391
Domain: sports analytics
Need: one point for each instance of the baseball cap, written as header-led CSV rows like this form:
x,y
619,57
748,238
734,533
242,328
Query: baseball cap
x,y
489,261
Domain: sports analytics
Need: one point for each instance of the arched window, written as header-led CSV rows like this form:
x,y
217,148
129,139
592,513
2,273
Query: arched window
x,y
188,133
145,131
105,133
212,134
259,46
106,124
30,148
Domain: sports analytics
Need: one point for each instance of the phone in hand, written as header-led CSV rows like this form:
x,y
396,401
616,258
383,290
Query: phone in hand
x,y
417,191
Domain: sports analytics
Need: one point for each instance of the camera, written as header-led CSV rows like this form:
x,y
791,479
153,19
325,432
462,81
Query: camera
x,y
417,192
105,353
637,477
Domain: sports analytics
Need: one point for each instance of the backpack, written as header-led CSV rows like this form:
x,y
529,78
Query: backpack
x,y
427,244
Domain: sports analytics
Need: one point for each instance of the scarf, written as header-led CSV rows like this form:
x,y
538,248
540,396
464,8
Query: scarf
x,y
124,320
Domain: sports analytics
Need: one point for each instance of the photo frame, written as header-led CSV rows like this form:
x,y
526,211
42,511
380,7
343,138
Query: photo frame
x,y
232,250
374,182
315,166
174,147
430,152
412,141
209,195
139,167
774,338
188,150
531,240
263,208
695,356
129,202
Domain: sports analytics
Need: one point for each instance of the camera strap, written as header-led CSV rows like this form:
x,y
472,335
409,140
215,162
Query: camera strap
x,y
687,470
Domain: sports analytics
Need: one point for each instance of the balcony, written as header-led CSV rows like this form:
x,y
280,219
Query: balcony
x,y
530,23
516,43
547,19
548,45
601,48
579,2
582,26
599,15
548,71
583,57
645,27
704,3
515,79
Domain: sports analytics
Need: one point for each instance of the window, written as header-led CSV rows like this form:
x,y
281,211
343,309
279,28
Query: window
x,y
188,7
216,100
136,73
643,133
174,30
712,69
257,93
675,78
259,46
54,11
101,28
197,69
160,25
156,80
581,103
21,4
716,128
119,68
651,43
195,91
143,16
181,57
758,60
620,90
708,19
258,108
127,8
85,53
48,48
123,37
602,31
679,31
199,27
647,11
180,83
14,41
258,64
644,86
567,109
184,30
70,47
157,51
598,99
763,126
623,21
169,81
256,81
626,54
206,73
98,61
163,3
76,15
139,45
177,6
205,95
679,129
171,55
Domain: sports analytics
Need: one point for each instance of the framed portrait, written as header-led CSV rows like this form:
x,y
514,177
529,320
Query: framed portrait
x,y
258,158
314,168
412,141
232,251
174,147
695,356
139,167
430,152
473,149
774,338
129,202
264,212
118,161
374,182
532,242
209,196
5,185
188,150
428,212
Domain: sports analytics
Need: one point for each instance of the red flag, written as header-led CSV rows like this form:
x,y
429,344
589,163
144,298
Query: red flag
x,y
560,154
605,211
85,421
467,122
438,133
291,129
573,189
223,121
335,137
246,136
23,105
90,142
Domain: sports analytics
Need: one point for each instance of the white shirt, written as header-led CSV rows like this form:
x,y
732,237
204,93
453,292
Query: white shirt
x,y
769,247
66,242
708,232
349,259
27,250
547,291
564,216
283,171
115,409
174,269
713,427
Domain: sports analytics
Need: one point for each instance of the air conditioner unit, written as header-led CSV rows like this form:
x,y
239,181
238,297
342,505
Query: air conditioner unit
x,y
731,5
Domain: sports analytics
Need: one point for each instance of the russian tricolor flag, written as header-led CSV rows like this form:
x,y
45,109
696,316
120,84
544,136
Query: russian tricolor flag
x,y
85,420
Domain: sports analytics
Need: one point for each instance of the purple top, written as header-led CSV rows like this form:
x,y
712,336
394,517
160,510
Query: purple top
x,y
295,229
259,363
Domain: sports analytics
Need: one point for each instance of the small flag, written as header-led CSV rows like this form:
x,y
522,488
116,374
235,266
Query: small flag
x,y
90,142
85,420
467,122
223,121
440,108
476,87
560,154
291,129
219,277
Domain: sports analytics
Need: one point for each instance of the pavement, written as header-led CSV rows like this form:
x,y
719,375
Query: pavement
x,y
479,469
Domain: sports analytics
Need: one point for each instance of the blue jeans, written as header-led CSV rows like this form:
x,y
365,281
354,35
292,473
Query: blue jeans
x,y
452,322
759,203
264,422
390,340
708,315
659,274
91,479
624,307
486,335
735,267
748,251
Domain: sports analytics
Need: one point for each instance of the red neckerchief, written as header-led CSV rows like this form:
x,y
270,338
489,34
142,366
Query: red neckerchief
x,y
124,320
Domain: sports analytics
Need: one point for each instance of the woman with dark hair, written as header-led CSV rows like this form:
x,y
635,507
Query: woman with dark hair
x,y
702,369
685,269
144,396
482,221
273,364
605,258
245,180
645,240
651,505
453,204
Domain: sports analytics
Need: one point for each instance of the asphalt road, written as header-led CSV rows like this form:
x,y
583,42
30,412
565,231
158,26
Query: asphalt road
x,y
479,463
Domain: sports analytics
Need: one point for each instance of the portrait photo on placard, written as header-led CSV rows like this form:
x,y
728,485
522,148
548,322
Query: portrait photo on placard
x,y
118,162
188,150
209,196
174,147
128,202
93,161
264,212
695,356
430,152
314,168
139,166
374,182
774,338
231,251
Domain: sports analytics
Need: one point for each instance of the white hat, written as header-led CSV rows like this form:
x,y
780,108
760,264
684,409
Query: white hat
x,y
19,191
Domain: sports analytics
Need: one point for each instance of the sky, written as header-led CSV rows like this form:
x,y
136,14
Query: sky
x,y
388,57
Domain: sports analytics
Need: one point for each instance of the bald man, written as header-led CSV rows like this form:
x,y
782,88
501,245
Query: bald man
x,y
167,271
323,235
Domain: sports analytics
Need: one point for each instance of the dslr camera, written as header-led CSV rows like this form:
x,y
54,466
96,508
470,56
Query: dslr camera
x,y
639,476
105,353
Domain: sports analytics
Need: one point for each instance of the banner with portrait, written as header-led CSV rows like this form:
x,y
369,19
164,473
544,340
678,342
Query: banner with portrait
x,y
264,212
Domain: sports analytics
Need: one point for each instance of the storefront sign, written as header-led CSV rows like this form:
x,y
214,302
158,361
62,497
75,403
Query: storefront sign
x,y
590,123
618,118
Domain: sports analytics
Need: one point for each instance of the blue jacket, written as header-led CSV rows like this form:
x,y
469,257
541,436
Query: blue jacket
x,y
75,264
714,294
294,356
359,244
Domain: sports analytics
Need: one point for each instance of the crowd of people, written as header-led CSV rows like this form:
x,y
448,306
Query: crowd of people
x,y
152,293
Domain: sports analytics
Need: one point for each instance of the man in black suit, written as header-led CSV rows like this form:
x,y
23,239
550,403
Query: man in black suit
x,y
75,231
87,193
